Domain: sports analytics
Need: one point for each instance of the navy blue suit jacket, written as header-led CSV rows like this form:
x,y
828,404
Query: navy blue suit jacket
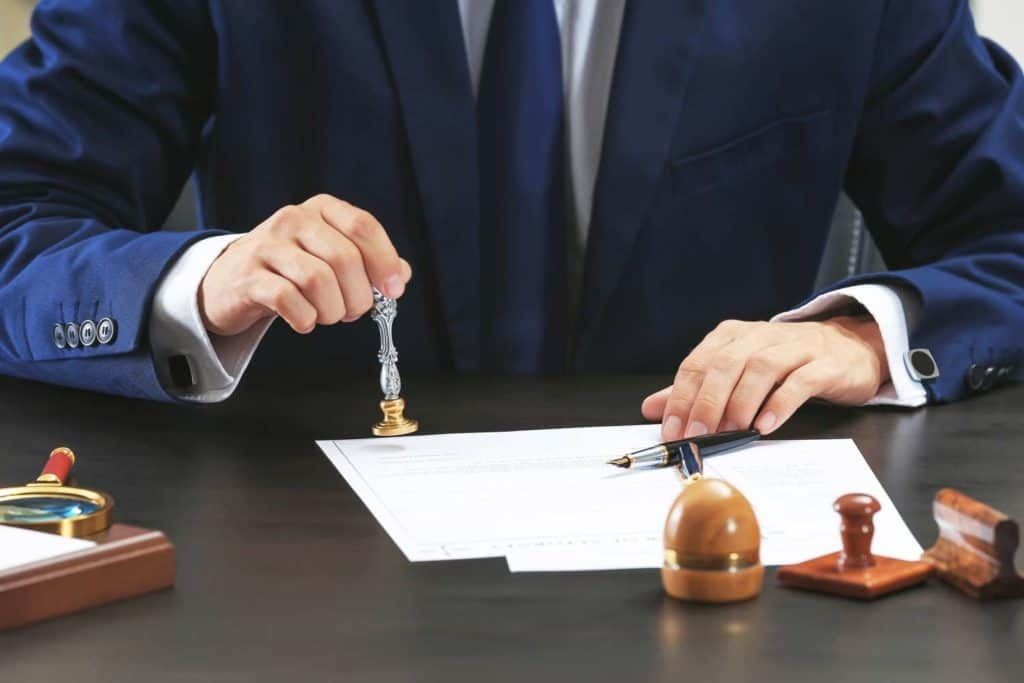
x,y
732,127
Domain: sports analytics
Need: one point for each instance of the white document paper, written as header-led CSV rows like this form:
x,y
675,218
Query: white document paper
x,y
22,546
547,501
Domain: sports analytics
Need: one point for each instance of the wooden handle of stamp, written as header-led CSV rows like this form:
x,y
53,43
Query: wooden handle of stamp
x,y
857,529
58,467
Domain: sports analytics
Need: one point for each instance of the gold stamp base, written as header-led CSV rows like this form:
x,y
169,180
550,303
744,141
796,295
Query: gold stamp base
x,y
395,423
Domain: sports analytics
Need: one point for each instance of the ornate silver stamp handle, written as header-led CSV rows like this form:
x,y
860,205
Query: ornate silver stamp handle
x,y
384,312
395,423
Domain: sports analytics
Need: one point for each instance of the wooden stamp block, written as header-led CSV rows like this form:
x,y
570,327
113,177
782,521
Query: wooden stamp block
x,y
825,575
975,549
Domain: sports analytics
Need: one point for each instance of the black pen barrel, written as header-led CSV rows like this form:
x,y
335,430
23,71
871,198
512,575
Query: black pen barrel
x,y
734,440
688,451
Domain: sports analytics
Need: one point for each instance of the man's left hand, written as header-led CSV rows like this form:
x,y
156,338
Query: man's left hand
x,y
759,373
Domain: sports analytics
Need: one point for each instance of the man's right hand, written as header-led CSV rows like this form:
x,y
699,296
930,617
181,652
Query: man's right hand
x,y
312,263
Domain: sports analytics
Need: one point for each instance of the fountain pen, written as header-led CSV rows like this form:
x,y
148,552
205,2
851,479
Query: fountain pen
x,y
689,454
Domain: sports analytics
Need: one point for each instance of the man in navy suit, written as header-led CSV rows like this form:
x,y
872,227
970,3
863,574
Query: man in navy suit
x,y
578,186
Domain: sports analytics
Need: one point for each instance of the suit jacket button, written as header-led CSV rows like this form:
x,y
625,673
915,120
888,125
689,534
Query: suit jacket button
x,y
71,333
88,333
106,330
980,377
59,340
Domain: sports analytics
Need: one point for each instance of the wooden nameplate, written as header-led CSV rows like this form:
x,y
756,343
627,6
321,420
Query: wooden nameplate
x,y
126,561
975,548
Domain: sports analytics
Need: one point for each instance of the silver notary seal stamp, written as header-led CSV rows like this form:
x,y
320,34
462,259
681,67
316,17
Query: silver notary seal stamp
x,y
395,423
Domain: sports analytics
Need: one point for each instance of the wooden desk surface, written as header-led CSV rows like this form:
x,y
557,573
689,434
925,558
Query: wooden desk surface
x,y
283,575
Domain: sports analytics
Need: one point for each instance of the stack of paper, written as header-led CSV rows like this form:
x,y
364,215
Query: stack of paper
x,y
547,501
21,546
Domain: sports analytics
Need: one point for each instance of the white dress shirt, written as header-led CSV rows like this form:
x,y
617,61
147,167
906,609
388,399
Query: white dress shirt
x,y
590,37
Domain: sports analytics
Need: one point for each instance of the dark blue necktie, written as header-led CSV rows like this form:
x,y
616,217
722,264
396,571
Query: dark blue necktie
x,y
523,233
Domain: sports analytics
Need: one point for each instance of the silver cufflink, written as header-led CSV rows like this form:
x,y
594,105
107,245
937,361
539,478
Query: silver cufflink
x,y
921,365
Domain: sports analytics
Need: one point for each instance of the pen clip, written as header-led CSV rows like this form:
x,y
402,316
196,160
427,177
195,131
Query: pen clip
x,y
690,461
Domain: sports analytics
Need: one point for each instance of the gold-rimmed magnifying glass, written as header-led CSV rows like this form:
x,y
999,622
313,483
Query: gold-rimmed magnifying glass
x,y
49,504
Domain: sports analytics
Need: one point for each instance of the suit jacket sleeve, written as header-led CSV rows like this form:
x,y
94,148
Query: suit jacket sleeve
x,y
101,115
938,170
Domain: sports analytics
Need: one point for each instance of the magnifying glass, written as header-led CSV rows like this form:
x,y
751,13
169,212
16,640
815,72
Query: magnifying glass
x,y
46,504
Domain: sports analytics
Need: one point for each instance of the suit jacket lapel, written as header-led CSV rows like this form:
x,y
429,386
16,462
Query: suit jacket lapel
x,y
424,45
660,41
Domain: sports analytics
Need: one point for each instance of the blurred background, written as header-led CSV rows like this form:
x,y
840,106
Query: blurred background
x,y
849,249
1002,20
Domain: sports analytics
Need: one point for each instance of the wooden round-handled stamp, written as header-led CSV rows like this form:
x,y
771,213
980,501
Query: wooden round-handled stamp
x,y
854,572
712,545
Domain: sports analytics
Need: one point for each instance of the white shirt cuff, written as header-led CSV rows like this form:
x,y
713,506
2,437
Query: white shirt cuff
x,y
886,305
176,329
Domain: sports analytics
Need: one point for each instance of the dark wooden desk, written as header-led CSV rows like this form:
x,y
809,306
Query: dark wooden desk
x,y
283,575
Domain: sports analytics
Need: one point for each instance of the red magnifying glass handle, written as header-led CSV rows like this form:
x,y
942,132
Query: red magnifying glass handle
x,y
58,467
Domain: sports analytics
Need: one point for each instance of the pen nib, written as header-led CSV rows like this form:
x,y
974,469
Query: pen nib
x,y
624,461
